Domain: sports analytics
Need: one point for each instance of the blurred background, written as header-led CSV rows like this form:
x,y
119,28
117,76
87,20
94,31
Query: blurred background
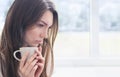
x,y
88,42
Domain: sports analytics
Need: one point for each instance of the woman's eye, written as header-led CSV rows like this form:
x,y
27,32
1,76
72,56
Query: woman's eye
x,y
40,25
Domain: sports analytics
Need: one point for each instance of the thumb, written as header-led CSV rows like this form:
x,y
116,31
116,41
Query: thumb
x,y
40,49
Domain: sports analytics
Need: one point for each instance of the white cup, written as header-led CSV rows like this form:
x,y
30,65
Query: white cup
x,y
23,50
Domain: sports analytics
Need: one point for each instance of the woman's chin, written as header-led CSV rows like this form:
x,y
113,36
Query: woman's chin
x,y
31,45
34,45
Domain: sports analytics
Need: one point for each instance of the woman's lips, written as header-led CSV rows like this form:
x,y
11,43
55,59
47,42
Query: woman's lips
x,y
39,42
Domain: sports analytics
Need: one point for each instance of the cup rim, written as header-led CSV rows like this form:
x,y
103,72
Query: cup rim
x,y
27,47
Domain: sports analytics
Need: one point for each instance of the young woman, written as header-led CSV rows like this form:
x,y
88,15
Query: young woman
x,y
29,23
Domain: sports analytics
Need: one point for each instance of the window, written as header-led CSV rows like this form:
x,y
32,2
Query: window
x,y
73,38
109,33
99,46
89,35
4,6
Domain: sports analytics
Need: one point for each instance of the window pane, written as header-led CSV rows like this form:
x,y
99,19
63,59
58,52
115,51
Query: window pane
x,y
4,6
73,15
109,13
73,37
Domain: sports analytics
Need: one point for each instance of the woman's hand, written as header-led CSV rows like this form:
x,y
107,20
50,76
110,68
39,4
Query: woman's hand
x,y
40,63
33,67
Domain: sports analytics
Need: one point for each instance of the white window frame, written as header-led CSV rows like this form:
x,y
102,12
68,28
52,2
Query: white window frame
x,y
94,59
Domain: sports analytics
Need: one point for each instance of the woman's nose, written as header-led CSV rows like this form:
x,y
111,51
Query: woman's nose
x,y
44,34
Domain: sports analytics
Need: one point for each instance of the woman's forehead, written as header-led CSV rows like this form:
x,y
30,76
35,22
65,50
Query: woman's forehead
x,y
47,18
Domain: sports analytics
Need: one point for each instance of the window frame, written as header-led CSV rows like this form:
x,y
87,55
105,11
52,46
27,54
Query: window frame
x,y
94,59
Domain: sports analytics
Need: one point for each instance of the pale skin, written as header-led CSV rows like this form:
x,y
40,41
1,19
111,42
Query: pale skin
x,y
34,36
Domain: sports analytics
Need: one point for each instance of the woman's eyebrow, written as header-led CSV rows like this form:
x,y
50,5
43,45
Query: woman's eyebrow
x,y
43,22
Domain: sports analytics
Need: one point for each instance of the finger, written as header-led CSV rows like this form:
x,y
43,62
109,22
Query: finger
x,y
42,52
40,48
34,69
40,69
39,51
23,59
40,65
40,59
31,58
29,61
31,66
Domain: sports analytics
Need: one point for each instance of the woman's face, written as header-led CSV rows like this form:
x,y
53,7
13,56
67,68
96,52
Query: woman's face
x,y
35,35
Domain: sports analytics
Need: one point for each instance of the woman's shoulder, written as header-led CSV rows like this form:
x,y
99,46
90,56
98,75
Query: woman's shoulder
x,y
1,60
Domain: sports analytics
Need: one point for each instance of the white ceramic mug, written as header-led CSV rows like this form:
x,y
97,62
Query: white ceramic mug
x,y
23,50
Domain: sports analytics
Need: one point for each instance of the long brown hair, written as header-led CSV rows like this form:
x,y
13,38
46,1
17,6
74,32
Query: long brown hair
x,y
20,16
